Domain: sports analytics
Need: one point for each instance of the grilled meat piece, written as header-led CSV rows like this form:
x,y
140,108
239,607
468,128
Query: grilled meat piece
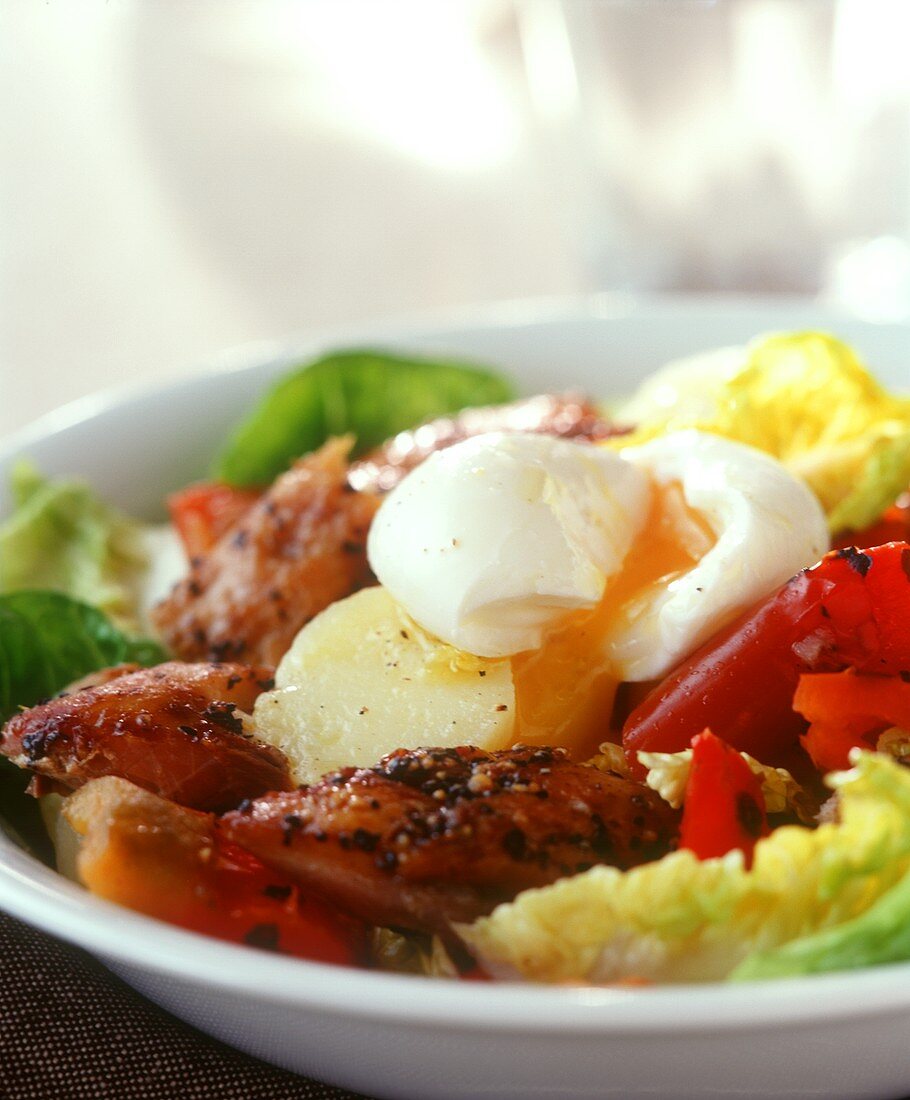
x,y
430,836
568,415
175,730
299,548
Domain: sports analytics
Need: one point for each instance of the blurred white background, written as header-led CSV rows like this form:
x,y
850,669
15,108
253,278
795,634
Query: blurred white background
x,y
186,175
180,176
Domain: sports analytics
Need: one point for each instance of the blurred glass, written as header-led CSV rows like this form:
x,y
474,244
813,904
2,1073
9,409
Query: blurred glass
x,y
750,145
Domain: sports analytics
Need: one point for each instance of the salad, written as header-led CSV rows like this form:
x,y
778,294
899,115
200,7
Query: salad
x,y
432,678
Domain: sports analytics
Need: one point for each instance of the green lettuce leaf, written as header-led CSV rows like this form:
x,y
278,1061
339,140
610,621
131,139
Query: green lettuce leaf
x,y
806,399
880,935
48,640
371,394
63,538
681,919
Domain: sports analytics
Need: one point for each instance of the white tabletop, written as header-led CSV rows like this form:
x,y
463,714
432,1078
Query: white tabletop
x,y
185,177
182,176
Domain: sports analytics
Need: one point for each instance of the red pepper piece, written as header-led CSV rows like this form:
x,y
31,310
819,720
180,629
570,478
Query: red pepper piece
x,y
203,512
852,610
724,807
848,710
256,907
173,863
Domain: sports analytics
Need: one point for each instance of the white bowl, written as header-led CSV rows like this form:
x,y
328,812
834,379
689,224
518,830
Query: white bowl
x,y
396,1036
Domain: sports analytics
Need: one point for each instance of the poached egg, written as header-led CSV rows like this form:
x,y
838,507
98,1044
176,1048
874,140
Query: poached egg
x,y
588,567
491,542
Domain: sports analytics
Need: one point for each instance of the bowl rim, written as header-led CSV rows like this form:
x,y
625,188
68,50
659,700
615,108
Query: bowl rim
x,y
41,897
256,355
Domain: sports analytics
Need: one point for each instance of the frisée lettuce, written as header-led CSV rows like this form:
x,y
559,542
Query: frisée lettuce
x,y
668,774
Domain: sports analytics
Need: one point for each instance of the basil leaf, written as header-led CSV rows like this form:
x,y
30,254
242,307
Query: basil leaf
x,y
48,639
371,394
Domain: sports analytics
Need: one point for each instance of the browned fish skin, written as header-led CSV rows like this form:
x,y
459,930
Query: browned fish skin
x,y
173,729
299,548
431,836
569,415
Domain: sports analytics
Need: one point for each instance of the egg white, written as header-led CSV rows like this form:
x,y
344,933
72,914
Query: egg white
x,y
492,542
768,526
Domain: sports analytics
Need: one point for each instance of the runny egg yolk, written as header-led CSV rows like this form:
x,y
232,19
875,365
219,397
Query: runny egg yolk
x,y
564,691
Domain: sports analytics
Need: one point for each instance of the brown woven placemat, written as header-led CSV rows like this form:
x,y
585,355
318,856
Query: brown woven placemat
x,y
70,1030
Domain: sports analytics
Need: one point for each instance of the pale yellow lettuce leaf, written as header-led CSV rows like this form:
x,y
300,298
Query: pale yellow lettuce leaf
x,y
680,919
806,399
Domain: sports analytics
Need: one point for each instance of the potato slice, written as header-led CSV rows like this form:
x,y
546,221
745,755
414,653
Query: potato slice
x,y
63,836
363,679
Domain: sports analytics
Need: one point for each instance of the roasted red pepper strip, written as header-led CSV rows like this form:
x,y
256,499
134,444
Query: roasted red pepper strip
x,y
239,899
173,863
724,807
203,512
852,610
848,710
